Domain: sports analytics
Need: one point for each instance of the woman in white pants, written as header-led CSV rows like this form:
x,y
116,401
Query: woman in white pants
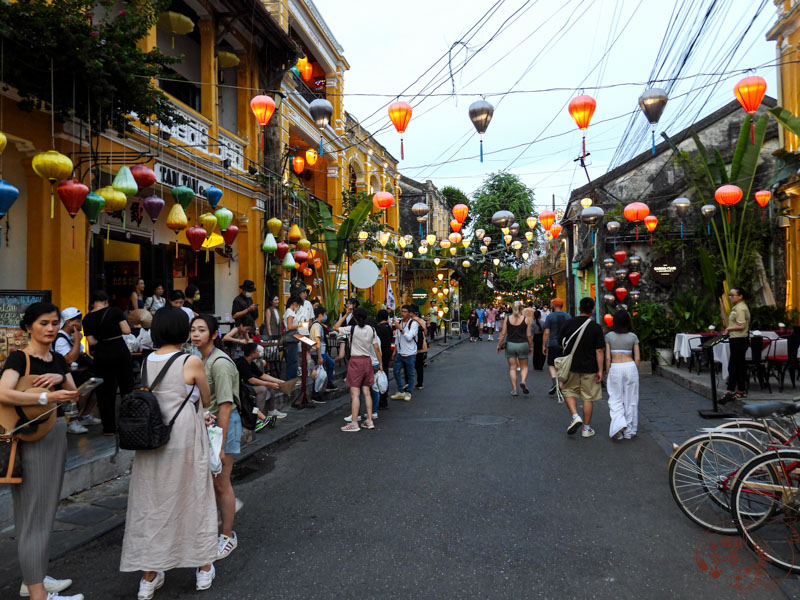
x,y
622,366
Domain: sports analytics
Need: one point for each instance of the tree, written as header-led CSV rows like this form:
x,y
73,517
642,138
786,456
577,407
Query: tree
x,y
453,195
501,191
96,67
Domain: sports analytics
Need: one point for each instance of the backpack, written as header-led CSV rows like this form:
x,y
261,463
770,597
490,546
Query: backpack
x,y
140,425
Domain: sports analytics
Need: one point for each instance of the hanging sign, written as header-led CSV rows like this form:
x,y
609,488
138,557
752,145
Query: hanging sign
x,y
172,178
664,270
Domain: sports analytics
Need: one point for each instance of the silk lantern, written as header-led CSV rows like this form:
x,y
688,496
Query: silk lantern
x,y
620,256
124,182
288,262
621,293
176,219
382,200
53,166
3,142
263,107
634,277
321,111
608,262
213,195
183,195
609,298
609,283
196,236
281,250
304,245
555,230
750,92
400,115
143,176
620,274
224,218
298,164
635,212
634,261
581,109
651,221
652,102
294,234
175,23
480,113
531,221
608,318
300,256
727,196
455,225
153,205
547,218
275,225
681,206
762,198
270,244
92,207
311,157
209,223
455,238
460,212
502,219
73,194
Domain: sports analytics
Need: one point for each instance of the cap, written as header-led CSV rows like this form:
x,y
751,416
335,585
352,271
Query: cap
x,y
557,302
69,313
248,286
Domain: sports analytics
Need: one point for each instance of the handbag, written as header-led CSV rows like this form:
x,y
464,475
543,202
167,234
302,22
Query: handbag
x,y
10,460
563,364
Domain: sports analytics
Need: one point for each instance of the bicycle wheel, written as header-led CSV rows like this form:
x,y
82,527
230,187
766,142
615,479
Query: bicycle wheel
x,y
756,433
701,474
766,506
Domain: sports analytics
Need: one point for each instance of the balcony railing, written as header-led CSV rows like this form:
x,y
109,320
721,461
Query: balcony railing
x,y
306,92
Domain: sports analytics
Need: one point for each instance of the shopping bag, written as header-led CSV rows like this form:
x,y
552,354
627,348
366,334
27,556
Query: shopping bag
x,y
381,382
215,447
320,379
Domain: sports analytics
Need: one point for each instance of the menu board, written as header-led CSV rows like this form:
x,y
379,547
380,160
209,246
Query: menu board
x,y
12,305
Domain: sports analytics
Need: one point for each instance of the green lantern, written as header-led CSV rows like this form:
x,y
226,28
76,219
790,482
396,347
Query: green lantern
x,y
288,262
124,182
224,218
269,245
183,195
93,206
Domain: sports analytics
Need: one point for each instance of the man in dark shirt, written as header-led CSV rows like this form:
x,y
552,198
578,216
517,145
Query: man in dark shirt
x,y
250,373
551,342
586,371
385,335
243,303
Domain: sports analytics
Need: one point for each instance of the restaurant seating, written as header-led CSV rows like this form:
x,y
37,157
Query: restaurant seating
x,y
698,354
755,364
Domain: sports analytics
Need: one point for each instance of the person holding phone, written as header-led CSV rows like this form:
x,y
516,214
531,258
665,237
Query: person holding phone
x,y
243,304
43,461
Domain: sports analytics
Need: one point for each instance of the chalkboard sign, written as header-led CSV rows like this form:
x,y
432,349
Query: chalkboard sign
x,y
12,305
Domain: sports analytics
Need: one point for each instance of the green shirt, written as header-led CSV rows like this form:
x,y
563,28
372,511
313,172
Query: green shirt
x,y
740,315
223,379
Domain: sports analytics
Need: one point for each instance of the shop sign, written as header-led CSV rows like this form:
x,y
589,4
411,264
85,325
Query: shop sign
x,y
419,296
664,271
170,177
12,306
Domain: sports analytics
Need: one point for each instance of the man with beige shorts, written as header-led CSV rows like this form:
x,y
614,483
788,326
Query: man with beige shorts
x,y
586,371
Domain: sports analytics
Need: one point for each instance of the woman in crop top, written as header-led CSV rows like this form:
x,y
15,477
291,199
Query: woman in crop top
x,y
622,366
518,338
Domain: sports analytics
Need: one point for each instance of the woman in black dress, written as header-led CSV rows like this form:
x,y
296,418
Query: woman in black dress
x,y
104,327
36,498
472,325
538,336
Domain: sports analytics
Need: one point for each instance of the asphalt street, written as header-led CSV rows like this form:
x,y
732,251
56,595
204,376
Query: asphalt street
x,y
465,492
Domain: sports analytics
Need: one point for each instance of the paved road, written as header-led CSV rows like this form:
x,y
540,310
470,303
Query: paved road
x,y
466,492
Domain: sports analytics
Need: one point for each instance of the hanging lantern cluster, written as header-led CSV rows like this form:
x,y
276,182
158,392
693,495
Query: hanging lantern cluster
x,y
636,212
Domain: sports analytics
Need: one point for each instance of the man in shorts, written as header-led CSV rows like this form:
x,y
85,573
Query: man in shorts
x,y
481,312
551,346
586,371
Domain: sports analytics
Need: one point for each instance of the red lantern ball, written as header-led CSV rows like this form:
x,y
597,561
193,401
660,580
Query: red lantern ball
x,y
460,212
762,197
650,221
283,248
196,236
382,200
621,293
555,230
609,319
455,225
229,235
636,211
609,283
728,195
581,109
634,276
620,255
750,92
73,194
143,175
547,218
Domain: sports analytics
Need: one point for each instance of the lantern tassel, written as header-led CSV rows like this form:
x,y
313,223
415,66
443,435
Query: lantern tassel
x,y
108,233
206,254
752,133
729,216
321,149
262,140
195,265
481,149
176,249
654,140
651,239
637,232
420,230
52,203
583,146
762,214
681,230
708,229
402,153
73,237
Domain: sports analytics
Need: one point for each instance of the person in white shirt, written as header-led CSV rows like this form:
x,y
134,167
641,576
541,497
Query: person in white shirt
x,y
68,344
156,301
405,354
177,299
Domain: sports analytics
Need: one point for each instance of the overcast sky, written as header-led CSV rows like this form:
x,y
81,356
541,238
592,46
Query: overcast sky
x,y
545,44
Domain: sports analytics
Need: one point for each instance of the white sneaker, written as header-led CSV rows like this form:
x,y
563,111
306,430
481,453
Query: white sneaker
x,y
374,415
587,431
574,424
55,596
239,505
146,588
398,396
349,418
407,397
76,427
50,585
203,579
226,545
90,420
276,413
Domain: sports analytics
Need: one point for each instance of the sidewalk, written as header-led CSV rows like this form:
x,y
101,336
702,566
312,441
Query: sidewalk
x,y
86,515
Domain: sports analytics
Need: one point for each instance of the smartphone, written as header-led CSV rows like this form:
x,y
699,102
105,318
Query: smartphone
x,y
89,386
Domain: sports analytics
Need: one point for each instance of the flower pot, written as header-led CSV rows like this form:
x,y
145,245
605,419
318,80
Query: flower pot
x,y
664,356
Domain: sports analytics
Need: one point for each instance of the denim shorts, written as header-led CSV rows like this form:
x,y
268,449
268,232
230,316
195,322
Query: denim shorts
x,y
234,437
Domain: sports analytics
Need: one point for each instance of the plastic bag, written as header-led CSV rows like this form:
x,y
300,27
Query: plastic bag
x,y
381,382
215,447
320,379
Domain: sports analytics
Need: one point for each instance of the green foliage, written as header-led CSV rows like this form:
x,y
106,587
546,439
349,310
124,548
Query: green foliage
x,y
453,195
654,327
708,271
98,69
768,317
786,118
371,224
692,312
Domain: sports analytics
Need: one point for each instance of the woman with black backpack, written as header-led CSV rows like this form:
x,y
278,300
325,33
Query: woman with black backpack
x,y
171,494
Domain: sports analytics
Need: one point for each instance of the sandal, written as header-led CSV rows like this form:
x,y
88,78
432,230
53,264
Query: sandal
x,y
740,395
727,397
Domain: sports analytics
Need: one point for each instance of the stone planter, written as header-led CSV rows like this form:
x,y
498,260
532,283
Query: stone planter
x,y
664,356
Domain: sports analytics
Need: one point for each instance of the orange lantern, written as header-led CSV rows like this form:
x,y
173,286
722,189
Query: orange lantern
x,y
382,200
555,230
750,92
317,263
635,212
728,195
455,225
305,69
308,272
455,238
762,197
298,164
460,212
650,221
546,219
263,108
400,114
581,109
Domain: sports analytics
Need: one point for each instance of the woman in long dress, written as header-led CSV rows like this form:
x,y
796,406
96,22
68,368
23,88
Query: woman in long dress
x,y
172,513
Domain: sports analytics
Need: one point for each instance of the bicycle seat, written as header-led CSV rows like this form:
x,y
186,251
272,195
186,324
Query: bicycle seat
x,y
770,408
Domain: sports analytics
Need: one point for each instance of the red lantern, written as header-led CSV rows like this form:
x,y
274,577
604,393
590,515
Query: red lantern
x,y
581,109
621,293
382,200
283,248
306,71
620,255
460,212
650,221
263,108
300,256
555,230
229,235
400,114
609,283
196,236
455,225
762,198
750,92
727,196
143,175
609,319
547,218
298,164
635,212
634,276
308,272
73,194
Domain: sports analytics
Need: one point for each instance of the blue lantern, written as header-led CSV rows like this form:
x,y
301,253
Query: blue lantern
x,y
8,195
213,195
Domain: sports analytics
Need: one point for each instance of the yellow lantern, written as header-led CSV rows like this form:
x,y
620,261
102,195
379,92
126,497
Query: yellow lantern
x,y
275,225
436,261
505,230
440,276
525,256
440,295
208,221
465,243
445,309
586,202
402,242
434,290
532,221
383,238
496,261
303,244
53,166
175,23
431,239
311,157
466,264
423,250
362,236
226,60
516,244
447,290
115,201
294,234
484,249
453,251
176,219
529,235
445,244
3,141
507,238
455,238
408,254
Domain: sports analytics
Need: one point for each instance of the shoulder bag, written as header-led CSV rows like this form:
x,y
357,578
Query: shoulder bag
x,y
563,364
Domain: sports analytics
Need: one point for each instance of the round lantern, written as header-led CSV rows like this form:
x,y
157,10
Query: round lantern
x,y
8,195
555,230
455,225
209,223
420,209
635,295
263,108
514,229
400,115
114,201
298,164
321,111
612,227
175,23
486,240
592,215
305,68
503,218
479,233
183,195
581,109
53,166
300,256
727,196
750,92
480,113
620,274
445,244
430,239
586,202
460,212
213,195
308,271
224,218
609,298
681,206
229,235
196,236
382,200
634,261
547,218
529,235
153,205
507,238
3,142
408,254
466,264
304,245
73,194
92,207
143,175
311,157
650,222
635,212
762,198
455,238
